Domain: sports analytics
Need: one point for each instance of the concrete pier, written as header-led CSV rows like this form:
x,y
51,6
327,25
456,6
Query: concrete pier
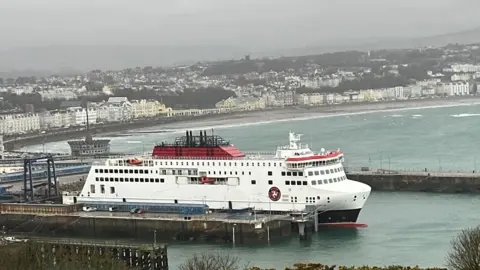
x,y
437,182
215,227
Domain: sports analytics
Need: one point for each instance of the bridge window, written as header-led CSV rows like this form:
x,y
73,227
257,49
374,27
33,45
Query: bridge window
x,y
254,182
310,173
96,170
294,173
293,183
327,171
96,179
283,173
331,171
116,171
316,172
101,179
121,179
289,173
287,183
330,180
300,173
92,188
116,179
112,190
304,183
269,173
314,182
319,182
102,189
162,180
325,181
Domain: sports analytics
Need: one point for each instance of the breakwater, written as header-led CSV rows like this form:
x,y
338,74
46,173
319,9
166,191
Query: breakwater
x,y
435,182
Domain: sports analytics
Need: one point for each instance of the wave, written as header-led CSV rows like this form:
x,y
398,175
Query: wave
x,y
316,116
465,115
397,115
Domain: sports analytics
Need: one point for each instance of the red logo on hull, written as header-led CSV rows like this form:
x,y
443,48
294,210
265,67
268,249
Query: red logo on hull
x,y
274,194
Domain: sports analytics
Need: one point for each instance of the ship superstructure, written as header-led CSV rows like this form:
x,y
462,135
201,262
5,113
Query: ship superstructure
x,y
208,170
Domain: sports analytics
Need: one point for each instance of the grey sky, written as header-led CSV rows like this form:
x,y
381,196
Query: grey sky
x,y
256,24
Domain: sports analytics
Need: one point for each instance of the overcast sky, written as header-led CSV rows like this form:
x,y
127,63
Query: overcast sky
x,y
255,24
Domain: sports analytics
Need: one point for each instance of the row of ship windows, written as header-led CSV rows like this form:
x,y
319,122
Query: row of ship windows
x,y
192,172
203,163
323,172
166,172
331,180
121,179
313,163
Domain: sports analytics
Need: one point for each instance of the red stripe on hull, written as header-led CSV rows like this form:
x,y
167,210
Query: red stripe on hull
x,y
344,225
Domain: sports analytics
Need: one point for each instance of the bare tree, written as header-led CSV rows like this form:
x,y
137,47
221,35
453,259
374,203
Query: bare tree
x,y
465,252
206,261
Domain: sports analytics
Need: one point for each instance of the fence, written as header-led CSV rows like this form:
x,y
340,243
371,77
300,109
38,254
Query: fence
x,y
151,257
409,171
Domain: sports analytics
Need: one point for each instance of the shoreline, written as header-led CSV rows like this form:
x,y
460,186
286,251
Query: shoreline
x,y
301,113
263,117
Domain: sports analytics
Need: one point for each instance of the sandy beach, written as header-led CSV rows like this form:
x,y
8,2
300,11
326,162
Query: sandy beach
x,y
296,113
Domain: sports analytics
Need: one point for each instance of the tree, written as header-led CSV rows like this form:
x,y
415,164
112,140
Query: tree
x,y
206,261
465,252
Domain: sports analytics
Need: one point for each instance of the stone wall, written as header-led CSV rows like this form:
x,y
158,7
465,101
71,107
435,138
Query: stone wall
x,y
423,182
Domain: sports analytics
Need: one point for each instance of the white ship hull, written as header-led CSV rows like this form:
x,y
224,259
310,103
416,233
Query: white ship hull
x,y
274,184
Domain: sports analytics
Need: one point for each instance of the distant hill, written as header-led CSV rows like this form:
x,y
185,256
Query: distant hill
x,y
61,58
72,59
464,37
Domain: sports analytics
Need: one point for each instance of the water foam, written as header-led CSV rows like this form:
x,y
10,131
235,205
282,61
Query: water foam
x,y
465,115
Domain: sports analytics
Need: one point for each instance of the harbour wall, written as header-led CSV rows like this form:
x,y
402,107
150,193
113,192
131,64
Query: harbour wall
x,y
419,181
144,229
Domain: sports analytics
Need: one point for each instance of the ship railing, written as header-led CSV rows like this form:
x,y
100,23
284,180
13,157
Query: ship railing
x,y
247,157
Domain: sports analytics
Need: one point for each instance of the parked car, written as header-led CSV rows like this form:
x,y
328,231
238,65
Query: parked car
x,y
89,209
137,211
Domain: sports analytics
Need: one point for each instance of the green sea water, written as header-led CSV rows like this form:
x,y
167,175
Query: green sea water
x,y
404,228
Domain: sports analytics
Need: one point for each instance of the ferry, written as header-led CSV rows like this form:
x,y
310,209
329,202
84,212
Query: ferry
x,y
206,169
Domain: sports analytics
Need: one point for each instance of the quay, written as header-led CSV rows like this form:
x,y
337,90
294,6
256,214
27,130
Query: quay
x,y
52,220
421,181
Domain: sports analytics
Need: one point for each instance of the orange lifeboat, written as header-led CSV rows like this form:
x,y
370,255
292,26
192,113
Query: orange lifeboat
x,y
206,180
134,161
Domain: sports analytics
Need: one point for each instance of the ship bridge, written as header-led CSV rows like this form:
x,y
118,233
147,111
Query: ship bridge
x,y
298,156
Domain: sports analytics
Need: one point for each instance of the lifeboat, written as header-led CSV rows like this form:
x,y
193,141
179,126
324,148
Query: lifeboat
x,y
206,180
134,161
